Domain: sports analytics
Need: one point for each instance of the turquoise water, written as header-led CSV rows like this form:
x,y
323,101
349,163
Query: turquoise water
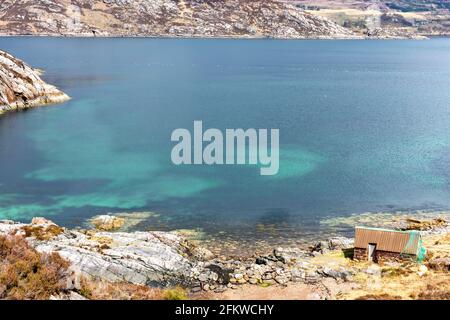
x,y
364,126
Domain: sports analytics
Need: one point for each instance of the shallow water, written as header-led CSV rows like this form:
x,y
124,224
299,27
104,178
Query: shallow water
x,y
364,126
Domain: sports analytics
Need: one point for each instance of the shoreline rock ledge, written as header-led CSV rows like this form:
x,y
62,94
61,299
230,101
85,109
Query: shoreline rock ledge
x,y
160,259
21,86
143,258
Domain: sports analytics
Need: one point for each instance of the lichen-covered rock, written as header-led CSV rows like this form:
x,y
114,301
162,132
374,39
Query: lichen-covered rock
x,y
289,255
335,273
201,253
335,243
21,86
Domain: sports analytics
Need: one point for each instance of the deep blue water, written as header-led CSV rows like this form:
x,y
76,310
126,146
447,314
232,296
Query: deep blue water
x,y
364,126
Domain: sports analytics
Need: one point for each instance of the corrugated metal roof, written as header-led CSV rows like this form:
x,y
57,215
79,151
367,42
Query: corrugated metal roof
x,y
387,240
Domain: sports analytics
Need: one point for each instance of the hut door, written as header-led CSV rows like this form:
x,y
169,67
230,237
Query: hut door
x,y
371,251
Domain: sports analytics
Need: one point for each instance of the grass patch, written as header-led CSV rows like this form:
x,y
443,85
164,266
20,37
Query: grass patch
x,y
382,296
103,290
176,293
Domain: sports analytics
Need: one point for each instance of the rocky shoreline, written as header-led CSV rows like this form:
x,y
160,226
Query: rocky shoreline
x,y
21,86
167,259
376,35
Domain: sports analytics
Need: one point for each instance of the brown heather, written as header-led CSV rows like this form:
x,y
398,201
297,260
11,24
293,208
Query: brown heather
x,y
27,274
102,290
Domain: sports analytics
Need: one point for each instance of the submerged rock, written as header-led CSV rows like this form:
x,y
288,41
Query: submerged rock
x,y
21,86
423,225
107,222
337,274
201,254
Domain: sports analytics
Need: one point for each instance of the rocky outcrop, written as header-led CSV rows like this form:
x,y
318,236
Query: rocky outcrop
x,y
151,258
172,18
107,222
21,86
166,258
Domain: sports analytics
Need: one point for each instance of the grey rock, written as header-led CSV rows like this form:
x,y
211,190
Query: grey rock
x,y
201,254
334,243
281,279
223,274
203,277
340,243
337,274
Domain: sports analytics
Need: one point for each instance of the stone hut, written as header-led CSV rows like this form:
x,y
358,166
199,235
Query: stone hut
x,y
378,245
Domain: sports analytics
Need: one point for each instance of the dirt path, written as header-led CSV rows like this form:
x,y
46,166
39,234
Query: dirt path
x,y
293,291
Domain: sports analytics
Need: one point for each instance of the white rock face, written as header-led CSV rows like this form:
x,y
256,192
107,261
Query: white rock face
x,y
21,87
151,258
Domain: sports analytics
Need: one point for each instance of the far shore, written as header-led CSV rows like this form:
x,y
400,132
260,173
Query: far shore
x,y
218,37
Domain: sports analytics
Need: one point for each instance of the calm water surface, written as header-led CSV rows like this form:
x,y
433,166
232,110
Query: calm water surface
x,y
364,126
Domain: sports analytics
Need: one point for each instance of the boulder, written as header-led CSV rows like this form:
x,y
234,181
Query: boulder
x,y
335,243
223,274
337,274
107,222
289,255
201,253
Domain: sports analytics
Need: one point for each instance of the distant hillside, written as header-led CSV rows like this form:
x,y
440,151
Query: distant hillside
x,y
186,18
383,18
